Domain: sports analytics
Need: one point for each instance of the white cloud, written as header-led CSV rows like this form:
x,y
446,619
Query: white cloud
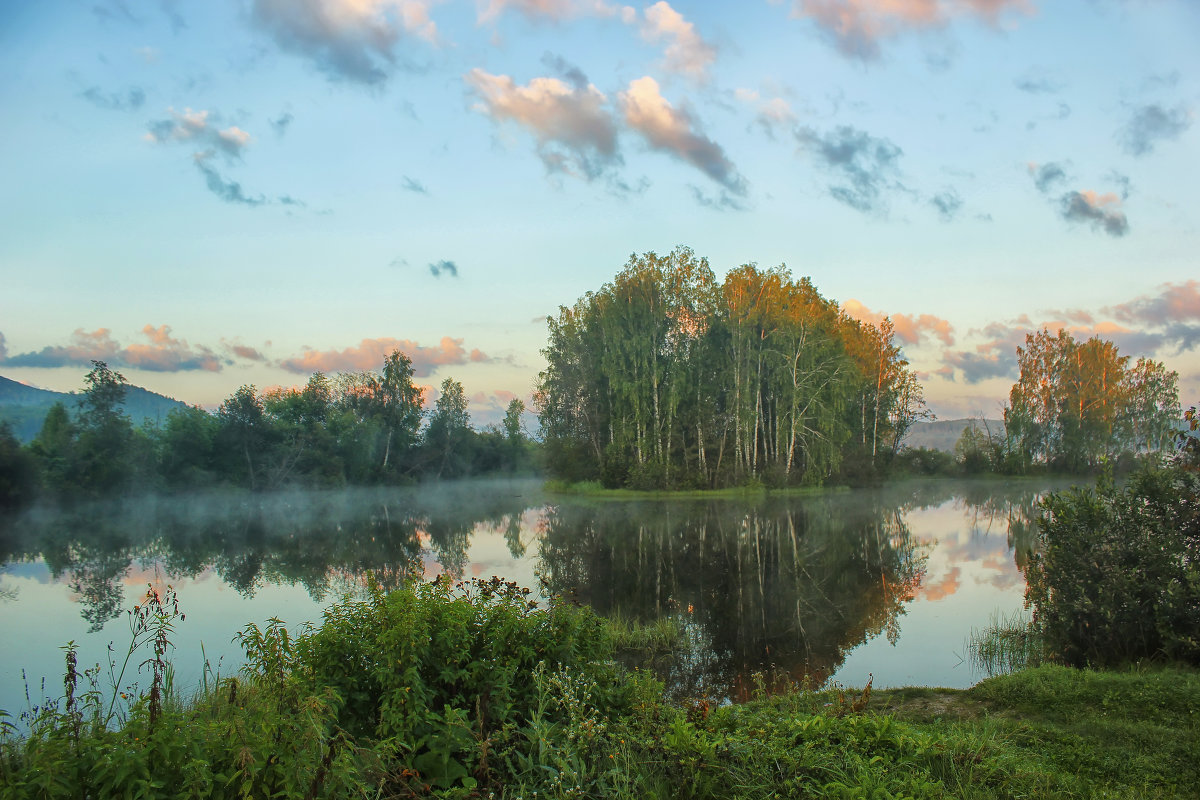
x,y
573,125
858,26
672,130
771,113
199,127
686,52
557,10
354,40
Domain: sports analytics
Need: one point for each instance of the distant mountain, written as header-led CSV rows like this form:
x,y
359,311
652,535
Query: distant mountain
x,y
943,433
18,394
24,407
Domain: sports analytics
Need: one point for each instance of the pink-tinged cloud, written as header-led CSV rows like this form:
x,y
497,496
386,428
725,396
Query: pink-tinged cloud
x,y
1171,317
573,125
85,347
489,408
672,130
1175,310
500,398
163,353
1075,315
909,329
858,26
686,52
168,354
556,10
244,352
354,40
429,395
773,112
371,354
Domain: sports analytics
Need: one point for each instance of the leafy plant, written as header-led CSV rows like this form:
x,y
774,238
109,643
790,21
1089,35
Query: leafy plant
x,y
1117,575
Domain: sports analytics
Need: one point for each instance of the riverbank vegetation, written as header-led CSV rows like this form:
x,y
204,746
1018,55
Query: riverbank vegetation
x,y
471,691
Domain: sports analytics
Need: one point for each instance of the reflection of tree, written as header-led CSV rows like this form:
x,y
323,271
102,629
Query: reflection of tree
x,y
95,575
324,541
782,586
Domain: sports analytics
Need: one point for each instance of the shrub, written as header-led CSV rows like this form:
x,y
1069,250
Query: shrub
x,y
1117,575
923,461
443,671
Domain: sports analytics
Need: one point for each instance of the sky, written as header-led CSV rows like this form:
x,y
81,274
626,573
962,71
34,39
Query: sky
x,y
213,194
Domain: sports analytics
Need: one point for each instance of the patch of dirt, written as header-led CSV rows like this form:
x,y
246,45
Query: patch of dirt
x,y
927,705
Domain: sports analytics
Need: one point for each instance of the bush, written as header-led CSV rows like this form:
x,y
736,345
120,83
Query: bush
x,y
923,461
437,686
441,670
1117,575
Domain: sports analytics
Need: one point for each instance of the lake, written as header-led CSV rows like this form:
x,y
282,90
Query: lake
x,y
838,585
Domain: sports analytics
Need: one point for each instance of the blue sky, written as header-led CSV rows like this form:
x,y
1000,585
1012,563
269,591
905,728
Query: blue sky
x,y
213,194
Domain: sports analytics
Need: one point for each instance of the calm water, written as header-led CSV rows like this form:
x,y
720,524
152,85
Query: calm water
x,y
840,586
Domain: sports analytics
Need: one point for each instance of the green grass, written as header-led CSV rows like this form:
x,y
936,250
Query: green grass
x,y
1082,733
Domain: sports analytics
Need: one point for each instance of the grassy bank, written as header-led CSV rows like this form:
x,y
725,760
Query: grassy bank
x,y
465,691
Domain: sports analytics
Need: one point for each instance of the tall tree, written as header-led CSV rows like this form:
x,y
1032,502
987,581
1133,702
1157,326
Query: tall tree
x,y
447,436
105,445
399,407
54,448
243,434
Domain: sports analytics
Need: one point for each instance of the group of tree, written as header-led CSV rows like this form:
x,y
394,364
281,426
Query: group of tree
x,y
360,428
667,378
1076,407
1079,404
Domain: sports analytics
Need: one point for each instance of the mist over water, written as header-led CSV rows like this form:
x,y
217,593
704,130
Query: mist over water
x,y
886,582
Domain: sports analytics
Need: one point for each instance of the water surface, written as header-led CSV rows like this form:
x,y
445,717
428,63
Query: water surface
x,y
836,586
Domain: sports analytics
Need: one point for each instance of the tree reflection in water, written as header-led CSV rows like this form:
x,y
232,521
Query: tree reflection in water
x,y
779,586
326,542
783,586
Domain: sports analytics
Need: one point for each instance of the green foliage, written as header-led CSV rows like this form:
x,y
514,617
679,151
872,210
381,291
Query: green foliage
x,y
449,710
924,461
1077,405
103,453
359,428
448,432
18,471
400,660
977,451
1187,445
665,378
1117,575
187,449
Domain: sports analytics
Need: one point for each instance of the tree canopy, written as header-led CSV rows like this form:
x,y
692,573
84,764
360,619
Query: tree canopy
x,y
1077,404
666,378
